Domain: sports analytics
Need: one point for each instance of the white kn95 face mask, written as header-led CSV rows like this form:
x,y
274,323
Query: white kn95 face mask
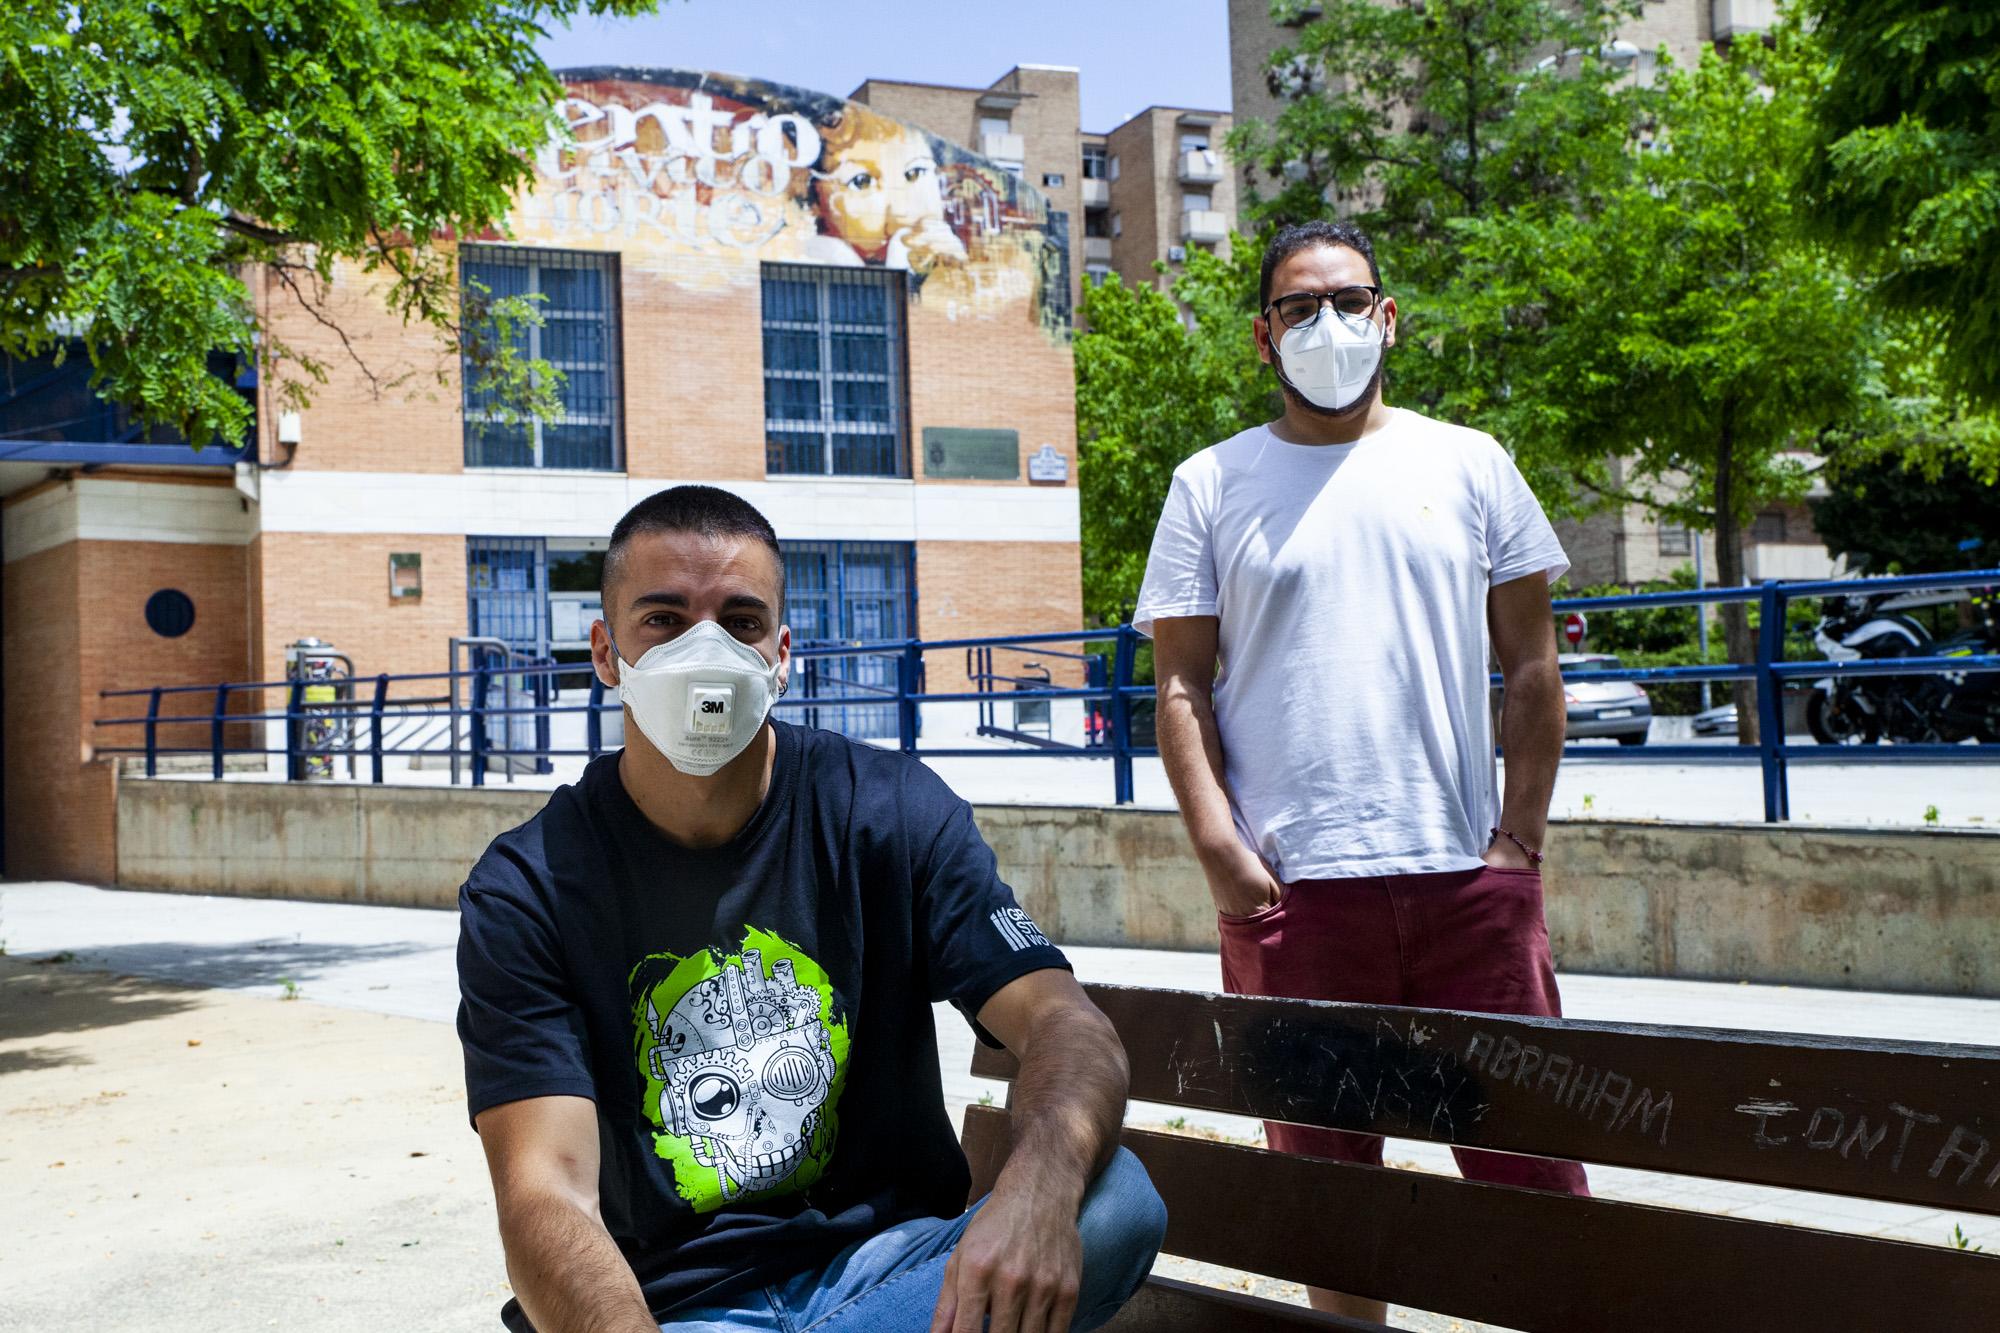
x,y
700,697
1331,360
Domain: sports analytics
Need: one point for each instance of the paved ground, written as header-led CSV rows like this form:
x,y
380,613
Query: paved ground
x,y
187,1151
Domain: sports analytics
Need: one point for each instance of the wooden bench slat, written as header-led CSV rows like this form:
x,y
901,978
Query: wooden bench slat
x,y
1541,1262
1903,1122
1164,1305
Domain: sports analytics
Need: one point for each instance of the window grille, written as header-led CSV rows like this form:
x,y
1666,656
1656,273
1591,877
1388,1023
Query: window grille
x,y
578,335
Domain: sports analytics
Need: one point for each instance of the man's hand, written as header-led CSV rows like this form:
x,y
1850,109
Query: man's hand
x,y
1239,881
1017,1268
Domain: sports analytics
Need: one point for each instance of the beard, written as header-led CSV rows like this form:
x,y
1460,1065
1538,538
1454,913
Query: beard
x,y
1310,408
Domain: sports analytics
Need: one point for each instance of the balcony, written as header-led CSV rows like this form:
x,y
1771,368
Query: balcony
x,y
1200,166
1204,226
1096,193
1004,150
1742,18
1096,249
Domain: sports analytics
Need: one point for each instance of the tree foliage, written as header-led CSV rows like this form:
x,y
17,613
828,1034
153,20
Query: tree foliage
x,y
1905,166
1150,391
150,150
1689,326
1412,116
1895,519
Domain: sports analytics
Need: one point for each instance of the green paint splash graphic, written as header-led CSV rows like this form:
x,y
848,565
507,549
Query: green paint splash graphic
x,y
702,1185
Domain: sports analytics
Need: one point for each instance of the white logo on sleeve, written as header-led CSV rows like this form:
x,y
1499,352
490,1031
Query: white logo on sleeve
x,y
1018,929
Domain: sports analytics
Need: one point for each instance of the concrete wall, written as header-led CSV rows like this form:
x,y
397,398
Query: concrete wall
x,y
1890,910
394,846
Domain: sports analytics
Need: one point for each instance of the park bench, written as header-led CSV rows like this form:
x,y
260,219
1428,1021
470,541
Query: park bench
x,y
1902,1122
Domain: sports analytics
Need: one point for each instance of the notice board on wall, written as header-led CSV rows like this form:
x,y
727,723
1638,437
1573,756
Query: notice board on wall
x,y
976,455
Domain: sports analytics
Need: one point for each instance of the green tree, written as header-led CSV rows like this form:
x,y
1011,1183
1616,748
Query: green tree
x,y
1150,391
1899,520
1414,115
152,150
1904,166
1689,326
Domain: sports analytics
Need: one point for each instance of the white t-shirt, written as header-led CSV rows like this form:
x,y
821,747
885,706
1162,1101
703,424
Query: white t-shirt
x,y
1350,583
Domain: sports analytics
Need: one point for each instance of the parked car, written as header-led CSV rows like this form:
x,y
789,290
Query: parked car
x,y
1617,708
1717,721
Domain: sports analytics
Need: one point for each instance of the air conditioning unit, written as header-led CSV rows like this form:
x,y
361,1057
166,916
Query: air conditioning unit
x,y
1176,254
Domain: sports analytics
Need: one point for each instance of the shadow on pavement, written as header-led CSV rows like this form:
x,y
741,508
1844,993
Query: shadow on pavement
x,y
238,963
41,1000
40,1057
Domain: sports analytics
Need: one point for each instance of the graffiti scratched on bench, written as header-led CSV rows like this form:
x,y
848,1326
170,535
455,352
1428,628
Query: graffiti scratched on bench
x,y
1908,1122
1856,1134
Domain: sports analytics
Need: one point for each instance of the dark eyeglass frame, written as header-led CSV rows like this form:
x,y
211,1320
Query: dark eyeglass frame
x,y
1321,300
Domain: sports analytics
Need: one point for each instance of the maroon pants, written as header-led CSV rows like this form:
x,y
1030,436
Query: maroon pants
x,y
1465,939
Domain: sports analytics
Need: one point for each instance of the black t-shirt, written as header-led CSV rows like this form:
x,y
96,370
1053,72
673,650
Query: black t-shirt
x,y
753,1020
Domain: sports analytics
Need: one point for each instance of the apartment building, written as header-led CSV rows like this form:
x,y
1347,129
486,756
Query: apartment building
x,y
1624,545
1164,191
1141,194
858,325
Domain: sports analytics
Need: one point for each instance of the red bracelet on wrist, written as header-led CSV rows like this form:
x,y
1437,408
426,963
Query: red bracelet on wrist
x,y
1534,857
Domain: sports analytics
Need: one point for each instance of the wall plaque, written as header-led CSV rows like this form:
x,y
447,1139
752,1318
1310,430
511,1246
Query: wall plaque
x,y
978,455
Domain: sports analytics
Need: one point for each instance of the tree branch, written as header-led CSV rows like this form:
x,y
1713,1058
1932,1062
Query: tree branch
x,y
256,231
285,274
1630,497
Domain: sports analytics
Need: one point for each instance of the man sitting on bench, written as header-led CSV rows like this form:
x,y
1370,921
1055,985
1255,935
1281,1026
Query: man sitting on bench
x,y
696,1008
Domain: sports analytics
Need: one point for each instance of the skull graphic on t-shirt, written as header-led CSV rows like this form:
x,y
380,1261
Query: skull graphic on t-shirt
x,y
742,1070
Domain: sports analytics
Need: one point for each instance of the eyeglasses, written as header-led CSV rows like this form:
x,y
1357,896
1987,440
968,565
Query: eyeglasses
x,y
1298,309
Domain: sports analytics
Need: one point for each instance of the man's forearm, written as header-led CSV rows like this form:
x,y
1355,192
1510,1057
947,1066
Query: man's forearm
x,y
1191,751
568,1272
1067,1107
1532,722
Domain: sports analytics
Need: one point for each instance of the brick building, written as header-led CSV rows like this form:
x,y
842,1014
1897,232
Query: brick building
x,y
861,327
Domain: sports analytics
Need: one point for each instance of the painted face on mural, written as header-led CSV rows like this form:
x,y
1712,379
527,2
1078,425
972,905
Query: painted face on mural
x,y
877,189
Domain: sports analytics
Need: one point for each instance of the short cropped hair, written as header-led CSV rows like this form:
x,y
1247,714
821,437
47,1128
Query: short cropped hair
x,y
707,510
1303,236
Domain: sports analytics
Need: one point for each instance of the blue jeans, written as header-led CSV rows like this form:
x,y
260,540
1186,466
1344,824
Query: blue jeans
x,y
890,1281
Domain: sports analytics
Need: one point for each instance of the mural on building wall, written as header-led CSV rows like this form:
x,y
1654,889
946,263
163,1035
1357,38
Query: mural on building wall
x,y
669,163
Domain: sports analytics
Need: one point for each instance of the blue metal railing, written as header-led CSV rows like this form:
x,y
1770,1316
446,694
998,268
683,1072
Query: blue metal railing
x,y
395,726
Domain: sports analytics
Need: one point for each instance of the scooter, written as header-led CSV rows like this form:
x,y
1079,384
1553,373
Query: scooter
x,y
1933,709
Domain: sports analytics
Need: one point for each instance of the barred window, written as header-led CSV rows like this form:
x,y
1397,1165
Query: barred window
x,y
1675,540
578,335
833,371
849,593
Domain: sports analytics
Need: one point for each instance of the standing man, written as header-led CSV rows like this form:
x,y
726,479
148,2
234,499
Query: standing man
x,y
696,1009
1345,566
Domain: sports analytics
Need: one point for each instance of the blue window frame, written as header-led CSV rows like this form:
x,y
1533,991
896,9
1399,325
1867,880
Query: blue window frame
x,y
507,598
833,371
850,593
578,335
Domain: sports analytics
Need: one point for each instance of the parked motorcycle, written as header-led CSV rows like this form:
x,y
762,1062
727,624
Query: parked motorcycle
x,y
1933,709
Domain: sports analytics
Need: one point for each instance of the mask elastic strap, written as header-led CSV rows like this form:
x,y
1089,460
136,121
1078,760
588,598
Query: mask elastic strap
x,y
617,653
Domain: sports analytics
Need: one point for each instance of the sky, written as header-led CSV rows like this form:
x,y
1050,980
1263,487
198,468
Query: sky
x,y
1131,54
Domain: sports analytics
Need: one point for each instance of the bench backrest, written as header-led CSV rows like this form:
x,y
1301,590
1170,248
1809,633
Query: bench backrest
x,y
1910,1123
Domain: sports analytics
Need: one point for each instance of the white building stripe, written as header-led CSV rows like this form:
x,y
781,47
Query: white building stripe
x,y
107,509
505,503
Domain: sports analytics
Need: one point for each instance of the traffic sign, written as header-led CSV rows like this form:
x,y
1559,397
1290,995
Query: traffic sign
x,y
1575,626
